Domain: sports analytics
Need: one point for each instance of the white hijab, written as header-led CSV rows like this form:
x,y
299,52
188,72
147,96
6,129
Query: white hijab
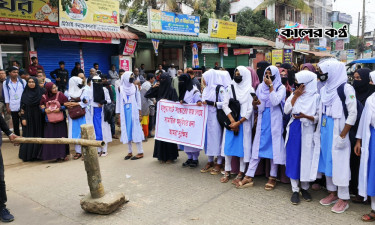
x,y
128,88
244,88
264,90
336,76
306,103
225,77
212,79
74,91
372,75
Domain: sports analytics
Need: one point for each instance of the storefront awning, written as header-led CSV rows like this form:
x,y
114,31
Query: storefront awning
x,y
203,37
123,34
317,54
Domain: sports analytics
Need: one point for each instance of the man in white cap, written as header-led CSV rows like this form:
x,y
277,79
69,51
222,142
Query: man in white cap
x,y
172,71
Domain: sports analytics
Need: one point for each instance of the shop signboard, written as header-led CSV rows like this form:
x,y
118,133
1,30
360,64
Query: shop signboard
x,y
277,56
125,62
268,56
242,51
173,23
303,47
222,29
287,56
129,47
350,55
38,12
89,39
210,48
100,15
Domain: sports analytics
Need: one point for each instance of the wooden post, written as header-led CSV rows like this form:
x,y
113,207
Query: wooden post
x,y
61,141
91,160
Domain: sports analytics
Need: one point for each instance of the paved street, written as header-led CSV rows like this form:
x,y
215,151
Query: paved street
x,y
49,193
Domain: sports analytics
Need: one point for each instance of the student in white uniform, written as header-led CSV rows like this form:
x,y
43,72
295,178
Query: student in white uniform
x,y
332,145
303,105
129,107
365,148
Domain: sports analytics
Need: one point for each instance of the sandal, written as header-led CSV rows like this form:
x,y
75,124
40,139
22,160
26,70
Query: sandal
x,y
225,178
238,178
216,170
138,156
77,156
270,184
207,168
245,183
369,217
67,158
128,156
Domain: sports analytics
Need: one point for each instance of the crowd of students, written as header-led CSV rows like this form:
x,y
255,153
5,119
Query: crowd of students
x,y
307,124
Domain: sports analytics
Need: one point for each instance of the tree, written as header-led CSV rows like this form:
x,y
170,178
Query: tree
x,y
206,9
135,11
297,4
251,23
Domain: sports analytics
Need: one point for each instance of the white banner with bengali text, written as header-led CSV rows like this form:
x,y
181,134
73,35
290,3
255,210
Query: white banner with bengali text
x,y
183,124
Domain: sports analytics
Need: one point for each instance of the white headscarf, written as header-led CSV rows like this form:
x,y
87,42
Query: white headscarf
x,y
74,91
306,103
244,88
225,77
372,75
264,90
336,76
212,79
128,88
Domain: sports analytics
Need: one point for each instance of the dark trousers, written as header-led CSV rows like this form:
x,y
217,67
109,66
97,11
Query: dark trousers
x,y
3,193
16,123
151,124
113,126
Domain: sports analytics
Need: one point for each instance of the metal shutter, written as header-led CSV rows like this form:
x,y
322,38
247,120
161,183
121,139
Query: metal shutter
x,y
98,53
243,60
211,59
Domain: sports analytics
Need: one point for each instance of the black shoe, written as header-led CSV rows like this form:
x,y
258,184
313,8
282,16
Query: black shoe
x,y
187,163
150,136
6,216
194,164
295,198
306,195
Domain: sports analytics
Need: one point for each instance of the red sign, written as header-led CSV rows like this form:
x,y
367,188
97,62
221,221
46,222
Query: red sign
x,y
225,51
242,51
77,38
125,63
32,54
129,47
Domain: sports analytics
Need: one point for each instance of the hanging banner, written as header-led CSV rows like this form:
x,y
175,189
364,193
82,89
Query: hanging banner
x,y
129,47
82,61
32,54
287,56
155,43
222,29
125,62
183,124
89,39
242,51
277,56
339,45
225,51
38,12
170,22
195,63
101,15
209,48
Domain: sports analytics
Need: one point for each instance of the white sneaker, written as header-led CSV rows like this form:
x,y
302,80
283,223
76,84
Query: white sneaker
x,y
104,154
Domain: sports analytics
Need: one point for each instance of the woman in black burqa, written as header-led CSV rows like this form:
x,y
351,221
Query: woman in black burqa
x,y
165,152
31,119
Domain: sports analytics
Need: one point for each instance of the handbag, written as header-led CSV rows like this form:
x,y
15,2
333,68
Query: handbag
x,y
76,111
234,105
109,112
54,117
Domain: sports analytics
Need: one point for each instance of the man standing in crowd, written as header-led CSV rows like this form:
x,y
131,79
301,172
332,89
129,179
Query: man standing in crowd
x,y
13,89
61,75
216,67
96,67
113,75
160,70
195,81
34,66
147,115
142,70
43,79
164,65
92,72
76,70
3,109
175,81
138,76
172,71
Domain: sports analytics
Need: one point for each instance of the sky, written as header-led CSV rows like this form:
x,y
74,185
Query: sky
x,y
352,7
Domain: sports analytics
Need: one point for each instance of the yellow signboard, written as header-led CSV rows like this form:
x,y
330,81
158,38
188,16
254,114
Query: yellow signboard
x,y
39,12
222,29
277,56
100,15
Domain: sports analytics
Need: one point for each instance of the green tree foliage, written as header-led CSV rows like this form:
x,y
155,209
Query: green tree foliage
x,y
250,23
206,9
297,4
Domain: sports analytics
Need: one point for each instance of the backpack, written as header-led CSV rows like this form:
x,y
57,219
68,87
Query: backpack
x,y
353,130
53,105
234,105
8,80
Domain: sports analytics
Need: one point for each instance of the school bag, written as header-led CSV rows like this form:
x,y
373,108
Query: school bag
x,y
54,117
234,105
353,130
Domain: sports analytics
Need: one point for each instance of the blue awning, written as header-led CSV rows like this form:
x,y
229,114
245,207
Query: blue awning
x,y
368,60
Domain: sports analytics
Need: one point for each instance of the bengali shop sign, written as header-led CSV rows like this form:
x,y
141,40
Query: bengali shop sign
x,y
100,15
129,47
242,51
287,56
89,39
222,29
170,22
277,56
209,48
182,124
38,12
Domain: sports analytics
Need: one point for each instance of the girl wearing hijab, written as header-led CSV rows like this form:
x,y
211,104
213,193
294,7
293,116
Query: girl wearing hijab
x,y
254,78
309,67
54,130
100,96
212,79
165,152
76,97
332,145
361,84
303,104
268,141
238,144
128,105
285,82
189,94
31,119
261,67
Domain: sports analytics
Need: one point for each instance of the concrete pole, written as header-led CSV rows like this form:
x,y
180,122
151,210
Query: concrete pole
x,y
91,160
